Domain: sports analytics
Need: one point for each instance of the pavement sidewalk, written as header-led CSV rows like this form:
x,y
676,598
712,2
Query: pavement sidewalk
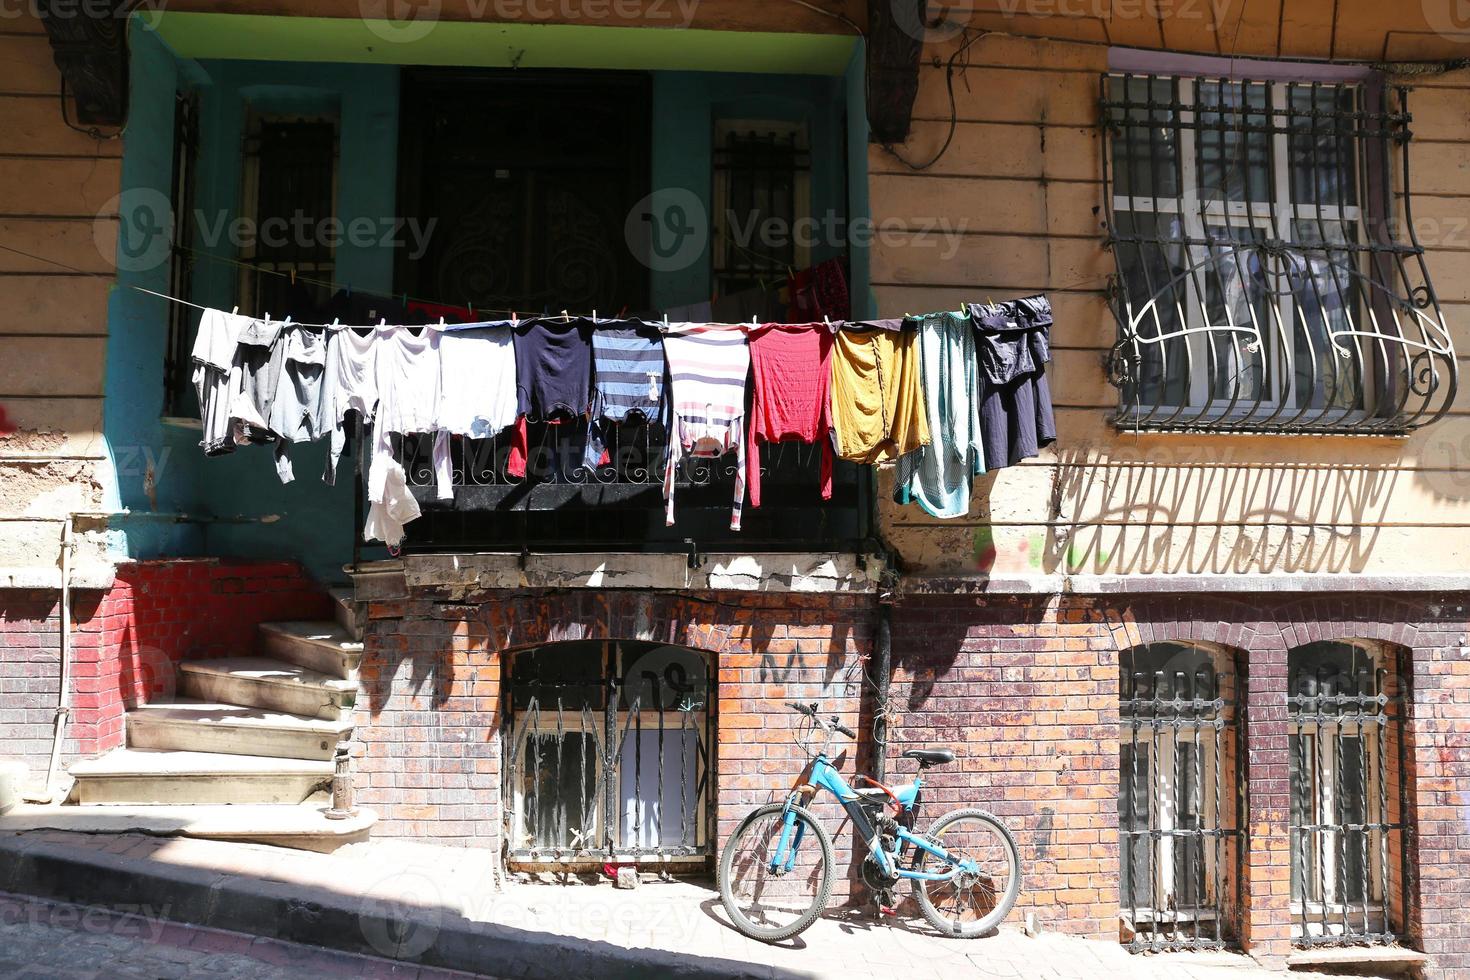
x,y
440,907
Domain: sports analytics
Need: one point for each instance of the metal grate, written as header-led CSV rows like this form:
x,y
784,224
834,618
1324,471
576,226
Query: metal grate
x,y
607,753
1265,280
1348,796
1178,803
179,398
290,192
759,179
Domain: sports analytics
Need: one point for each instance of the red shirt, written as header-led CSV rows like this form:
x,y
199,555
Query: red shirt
x,y
792,368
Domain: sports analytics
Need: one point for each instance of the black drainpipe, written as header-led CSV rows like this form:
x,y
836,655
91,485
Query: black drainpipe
x,y
883,664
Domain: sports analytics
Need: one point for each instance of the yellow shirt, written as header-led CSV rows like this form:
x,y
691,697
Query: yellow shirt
x,y
878,395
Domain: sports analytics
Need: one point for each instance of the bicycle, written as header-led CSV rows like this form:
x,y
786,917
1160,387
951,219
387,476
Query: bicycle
x,y
770,863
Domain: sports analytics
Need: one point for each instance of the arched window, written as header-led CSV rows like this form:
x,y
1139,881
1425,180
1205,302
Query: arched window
x,y
1345,711
1178,803
607,752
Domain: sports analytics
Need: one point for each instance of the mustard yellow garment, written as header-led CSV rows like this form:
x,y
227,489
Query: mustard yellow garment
x,y
878,395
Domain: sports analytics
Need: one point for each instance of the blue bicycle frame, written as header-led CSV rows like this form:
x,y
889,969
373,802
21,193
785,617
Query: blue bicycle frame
x,y
823,775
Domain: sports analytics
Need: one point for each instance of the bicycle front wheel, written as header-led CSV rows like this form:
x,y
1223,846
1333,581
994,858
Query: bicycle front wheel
x,y
776,872
979,897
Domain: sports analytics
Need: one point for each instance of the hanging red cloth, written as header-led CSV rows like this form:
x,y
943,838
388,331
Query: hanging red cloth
x,y
817,292
792,368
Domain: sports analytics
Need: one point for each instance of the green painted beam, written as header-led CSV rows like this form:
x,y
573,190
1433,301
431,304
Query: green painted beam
x,y
478,44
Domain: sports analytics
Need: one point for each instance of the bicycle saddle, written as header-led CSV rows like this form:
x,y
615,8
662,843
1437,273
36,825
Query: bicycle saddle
x,y
930,757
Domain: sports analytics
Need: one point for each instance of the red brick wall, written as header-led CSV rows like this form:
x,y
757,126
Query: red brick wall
x,y
127,641
1026,690
429,717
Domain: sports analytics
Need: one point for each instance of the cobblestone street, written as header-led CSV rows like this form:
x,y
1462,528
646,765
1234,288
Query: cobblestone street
x,y
42,940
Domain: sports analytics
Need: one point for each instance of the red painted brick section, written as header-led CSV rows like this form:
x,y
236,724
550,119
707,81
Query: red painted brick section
x,y
127,641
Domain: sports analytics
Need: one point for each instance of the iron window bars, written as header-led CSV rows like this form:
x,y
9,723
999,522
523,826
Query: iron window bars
x,y
1260,284
607,753
1178,805
1348,796
761,175
290,188
178,394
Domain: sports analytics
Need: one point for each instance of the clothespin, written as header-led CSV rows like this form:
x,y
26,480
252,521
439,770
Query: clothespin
x,y
234,310
441,323
827,321
594,313
514,319
336,322
293,276
267,318
287,321
566,316
383,323
471,307
666,321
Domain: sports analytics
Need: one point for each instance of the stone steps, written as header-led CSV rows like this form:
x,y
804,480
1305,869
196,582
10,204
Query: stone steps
x,y
319,646
303,826
186,725
149,776
350,614
275,685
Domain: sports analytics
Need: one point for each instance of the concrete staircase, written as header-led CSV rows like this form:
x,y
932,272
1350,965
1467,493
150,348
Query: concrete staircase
x,y
249,736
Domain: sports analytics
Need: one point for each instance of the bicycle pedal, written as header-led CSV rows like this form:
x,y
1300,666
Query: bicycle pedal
x,y
887,910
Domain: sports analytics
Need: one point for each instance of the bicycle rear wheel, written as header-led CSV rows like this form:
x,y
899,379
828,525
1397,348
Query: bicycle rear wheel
x,y
972,903
771,900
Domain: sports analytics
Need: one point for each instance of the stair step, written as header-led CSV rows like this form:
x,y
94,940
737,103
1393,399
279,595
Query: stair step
x,y
186,724
261,682
349,613
320,646
150,776
303,826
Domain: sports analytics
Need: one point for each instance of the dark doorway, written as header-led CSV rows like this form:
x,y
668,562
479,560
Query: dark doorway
x,y
530,177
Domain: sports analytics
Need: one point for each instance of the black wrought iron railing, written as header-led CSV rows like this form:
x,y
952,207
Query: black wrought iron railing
x,y
563,503
1270,277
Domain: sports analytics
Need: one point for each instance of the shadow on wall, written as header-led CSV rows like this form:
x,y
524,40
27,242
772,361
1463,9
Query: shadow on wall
x,y
1197,512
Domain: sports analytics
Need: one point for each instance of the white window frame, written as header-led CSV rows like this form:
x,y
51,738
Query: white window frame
x,y
1242,215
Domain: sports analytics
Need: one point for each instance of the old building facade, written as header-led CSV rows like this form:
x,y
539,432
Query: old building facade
x,y
1206,655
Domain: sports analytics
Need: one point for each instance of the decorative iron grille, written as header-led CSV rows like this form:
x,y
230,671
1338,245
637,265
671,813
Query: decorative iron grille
x,y
1348,796
760,175
607,753
1266,281
562,504
1178,804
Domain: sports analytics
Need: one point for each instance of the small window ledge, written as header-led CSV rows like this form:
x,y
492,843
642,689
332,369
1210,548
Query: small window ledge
x,y
1338,956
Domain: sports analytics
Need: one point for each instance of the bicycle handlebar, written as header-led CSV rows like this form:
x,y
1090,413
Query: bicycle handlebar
x,y
810,710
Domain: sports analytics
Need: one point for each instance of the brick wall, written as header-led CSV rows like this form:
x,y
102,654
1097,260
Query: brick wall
x,y
430,717
127,641
1026,690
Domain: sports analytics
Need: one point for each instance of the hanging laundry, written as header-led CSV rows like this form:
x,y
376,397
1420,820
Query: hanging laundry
x,y
254,376
349,383
214,357
791,366
553,376
877,395
296,409
939,476
408,370
1012,342
818,292
477,379
707,369
628,381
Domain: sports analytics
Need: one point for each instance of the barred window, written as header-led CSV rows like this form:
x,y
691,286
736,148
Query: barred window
x,y
1261,285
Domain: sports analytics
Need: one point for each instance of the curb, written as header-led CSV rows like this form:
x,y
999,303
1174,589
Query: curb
x,y
428,936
